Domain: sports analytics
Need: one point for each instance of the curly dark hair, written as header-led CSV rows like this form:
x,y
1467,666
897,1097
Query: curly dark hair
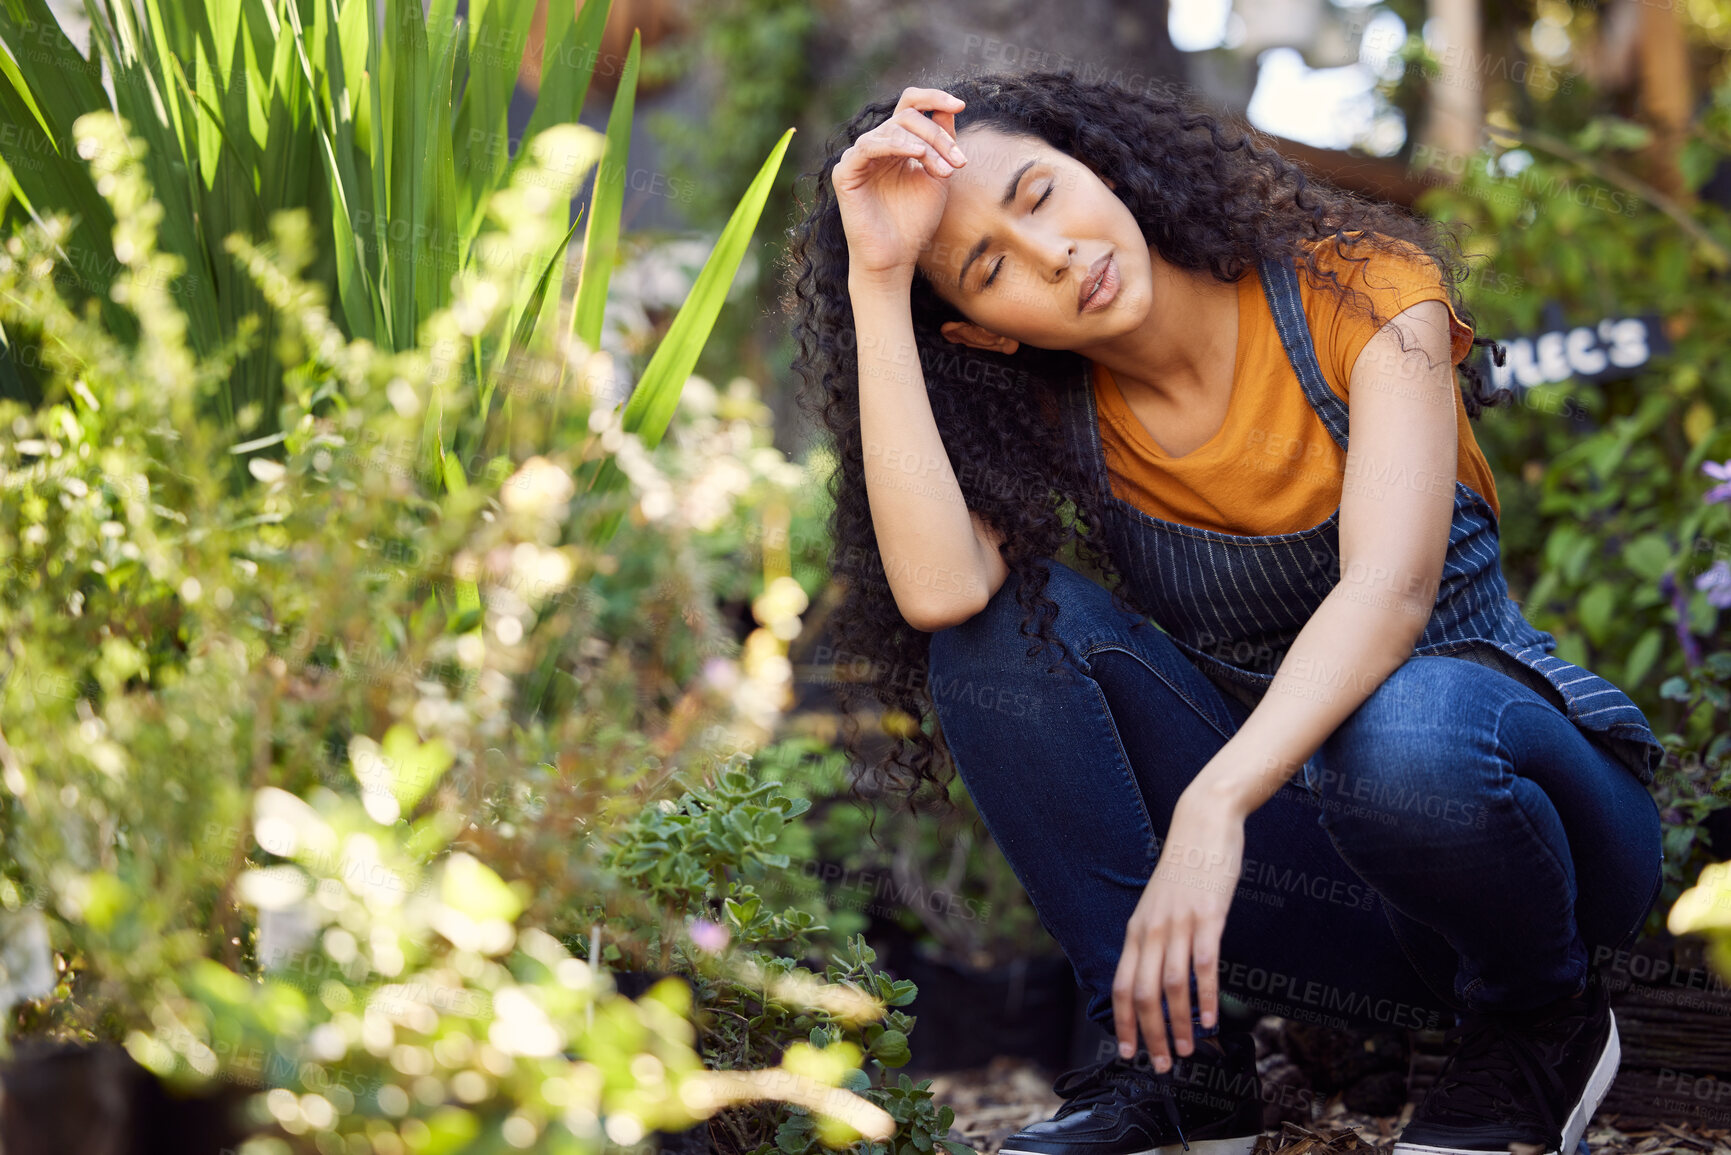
x,y
1208,195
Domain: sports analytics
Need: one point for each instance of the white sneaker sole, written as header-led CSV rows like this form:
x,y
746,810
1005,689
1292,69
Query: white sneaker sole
x,y
1240,1146
1598,1083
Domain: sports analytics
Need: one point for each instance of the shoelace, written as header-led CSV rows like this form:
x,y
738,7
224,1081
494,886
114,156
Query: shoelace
x,y
1490,1052
1087,1085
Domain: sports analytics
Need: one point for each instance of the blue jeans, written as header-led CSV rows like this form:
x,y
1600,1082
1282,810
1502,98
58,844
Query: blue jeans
x,y
1456,845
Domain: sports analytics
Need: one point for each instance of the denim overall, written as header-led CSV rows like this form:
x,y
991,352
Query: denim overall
x,y
1235,603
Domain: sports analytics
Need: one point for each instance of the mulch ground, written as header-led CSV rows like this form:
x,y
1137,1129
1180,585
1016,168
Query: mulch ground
x,y
994,1102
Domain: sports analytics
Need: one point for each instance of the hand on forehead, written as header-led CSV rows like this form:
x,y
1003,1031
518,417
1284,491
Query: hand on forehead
x,y
996,183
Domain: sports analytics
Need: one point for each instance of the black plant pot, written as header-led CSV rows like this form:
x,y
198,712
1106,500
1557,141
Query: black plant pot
x,y
96,1100
636,984
967,1016
1718,825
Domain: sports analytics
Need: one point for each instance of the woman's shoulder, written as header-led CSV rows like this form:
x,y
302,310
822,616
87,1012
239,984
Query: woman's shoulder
x,y
1378,278
1368,261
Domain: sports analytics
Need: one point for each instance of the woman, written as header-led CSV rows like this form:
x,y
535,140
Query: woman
x,y
1093,364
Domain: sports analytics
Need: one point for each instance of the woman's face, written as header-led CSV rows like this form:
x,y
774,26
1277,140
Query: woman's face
x,y
1034,247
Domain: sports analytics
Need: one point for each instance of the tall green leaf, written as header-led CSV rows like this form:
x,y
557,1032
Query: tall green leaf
x,y
567,66
652,402
657,394
601,239
436,250
335,128
407,86
48,86
389,133
497,35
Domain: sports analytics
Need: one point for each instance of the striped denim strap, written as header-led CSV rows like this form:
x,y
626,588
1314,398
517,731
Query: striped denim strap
x,y
1280,283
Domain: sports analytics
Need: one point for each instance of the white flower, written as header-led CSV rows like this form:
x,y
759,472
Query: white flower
x,y
521,1027
699,396
537,572
539,488
26,962
403,397
272,887
711,496
476,308
266,470
779,607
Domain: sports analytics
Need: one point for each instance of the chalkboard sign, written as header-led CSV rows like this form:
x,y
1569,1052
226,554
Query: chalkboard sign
x,y
1603,351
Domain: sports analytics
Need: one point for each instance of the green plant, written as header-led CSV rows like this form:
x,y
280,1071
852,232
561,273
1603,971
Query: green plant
x,y
705,844
753,62
701,859
817,849
759,1006
392,136
1693,783
251,731
1603,519
924,1123
1602,545
390,132
410,1003
931,875
1705,908
759,56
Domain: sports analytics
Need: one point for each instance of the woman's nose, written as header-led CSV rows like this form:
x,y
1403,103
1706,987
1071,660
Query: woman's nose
x,y
1052,253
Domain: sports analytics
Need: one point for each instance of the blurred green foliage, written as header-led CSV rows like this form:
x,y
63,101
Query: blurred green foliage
x,y
1604,530
294,767
939,877
757,55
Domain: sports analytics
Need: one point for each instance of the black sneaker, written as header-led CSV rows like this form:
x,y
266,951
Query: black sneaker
x,y
1209,1103
1535,1077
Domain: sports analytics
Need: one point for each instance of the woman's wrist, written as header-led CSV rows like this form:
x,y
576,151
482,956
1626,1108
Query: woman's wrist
x,y
1238,782
879,281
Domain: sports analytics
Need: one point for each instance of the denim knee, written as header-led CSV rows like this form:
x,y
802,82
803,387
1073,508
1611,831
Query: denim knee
x,y
1422,745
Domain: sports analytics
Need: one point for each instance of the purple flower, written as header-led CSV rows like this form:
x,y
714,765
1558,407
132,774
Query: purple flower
x,y
709,936
721,673
1720,472
1680,604
1716,584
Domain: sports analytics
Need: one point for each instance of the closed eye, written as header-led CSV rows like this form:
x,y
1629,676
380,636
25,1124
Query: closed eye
x,y
1000,264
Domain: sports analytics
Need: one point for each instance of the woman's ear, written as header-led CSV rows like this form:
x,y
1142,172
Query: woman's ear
x,y
976,337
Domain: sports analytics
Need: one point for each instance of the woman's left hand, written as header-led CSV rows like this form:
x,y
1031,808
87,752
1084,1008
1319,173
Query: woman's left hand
x,y
1179,923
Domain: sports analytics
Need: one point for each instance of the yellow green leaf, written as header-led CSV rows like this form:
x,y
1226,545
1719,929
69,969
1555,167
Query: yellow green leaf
x,y
470,887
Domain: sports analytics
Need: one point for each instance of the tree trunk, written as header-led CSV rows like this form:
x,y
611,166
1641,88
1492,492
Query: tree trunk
x,y
1664,65
1457,94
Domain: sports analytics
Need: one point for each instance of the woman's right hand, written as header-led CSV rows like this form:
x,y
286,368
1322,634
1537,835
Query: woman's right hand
x,y
891,184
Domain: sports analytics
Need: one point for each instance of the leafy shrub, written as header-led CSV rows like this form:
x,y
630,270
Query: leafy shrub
x,y
937,877
259,728
701,859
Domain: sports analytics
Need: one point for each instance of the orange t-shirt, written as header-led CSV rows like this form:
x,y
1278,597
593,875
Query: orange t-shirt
x,y
1272,467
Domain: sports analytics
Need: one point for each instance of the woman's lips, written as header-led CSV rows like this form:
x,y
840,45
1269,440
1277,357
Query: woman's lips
x,y
1108,287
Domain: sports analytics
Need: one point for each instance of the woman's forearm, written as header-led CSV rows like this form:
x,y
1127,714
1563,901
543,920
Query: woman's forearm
x,y
931,556
1360,634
